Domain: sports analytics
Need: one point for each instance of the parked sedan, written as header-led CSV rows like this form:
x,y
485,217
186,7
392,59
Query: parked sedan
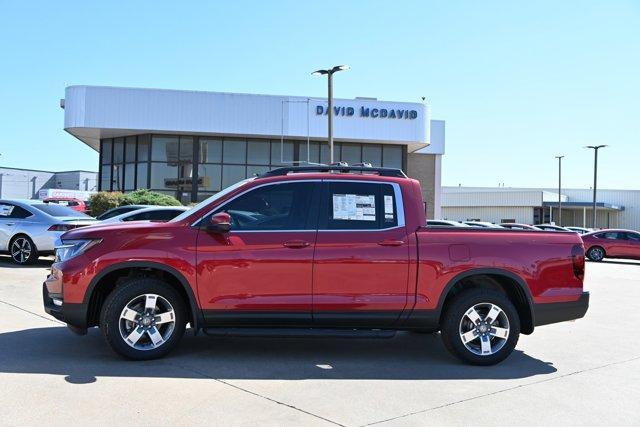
x,y
119,210
612,244
481,224
551,227
149,213
516,226
30,228
444,223
580,230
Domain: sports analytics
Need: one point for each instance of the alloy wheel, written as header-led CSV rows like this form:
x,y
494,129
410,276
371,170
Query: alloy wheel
x,y
484,329
596,254
21,250
147,322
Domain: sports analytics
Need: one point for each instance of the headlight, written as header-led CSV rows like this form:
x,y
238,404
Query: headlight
x,y
73,248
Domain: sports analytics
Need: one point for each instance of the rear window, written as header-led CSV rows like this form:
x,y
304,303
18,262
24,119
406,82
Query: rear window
x,y
58,210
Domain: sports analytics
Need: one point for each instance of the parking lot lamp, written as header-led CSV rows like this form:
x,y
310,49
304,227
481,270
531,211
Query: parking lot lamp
x,y
559,190
595,178
329,72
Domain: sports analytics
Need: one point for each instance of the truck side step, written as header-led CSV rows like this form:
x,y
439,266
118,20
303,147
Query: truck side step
x,y
299,332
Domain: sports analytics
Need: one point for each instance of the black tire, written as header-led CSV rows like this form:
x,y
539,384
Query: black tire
x,y
17,248
596,253
455,317
113,326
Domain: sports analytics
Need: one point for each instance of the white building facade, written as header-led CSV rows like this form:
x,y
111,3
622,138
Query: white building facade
x,y
192,144
614,208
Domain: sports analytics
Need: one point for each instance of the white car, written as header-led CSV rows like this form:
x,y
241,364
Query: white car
x,y
580,230
444,223
152,213
30,228
482,224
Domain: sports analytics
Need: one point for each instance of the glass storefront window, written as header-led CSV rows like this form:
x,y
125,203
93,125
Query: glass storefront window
x,y
324,152
314,152
105,152
234,151
186,149
117,178
129,176
143,149
372,154
392,156
351,154
232,174
118,150
210,150
164,176
281,153
258,152
164,149
210,177
105,178
142,175
130,149
256,170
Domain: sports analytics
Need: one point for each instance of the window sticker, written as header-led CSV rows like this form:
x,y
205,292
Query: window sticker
x,y
388,208
354,207
5,210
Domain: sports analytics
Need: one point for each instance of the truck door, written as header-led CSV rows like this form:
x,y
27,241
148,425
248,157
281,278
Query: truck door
x,y
260,272
361,262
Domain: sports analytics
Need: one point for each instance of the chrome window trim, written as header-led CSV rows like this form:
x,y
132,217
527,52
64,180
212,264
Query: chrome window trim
x,y
397,192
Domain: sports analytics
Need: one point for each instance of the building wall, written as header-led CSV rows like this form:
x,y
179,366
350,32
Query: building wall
x,y
425,168
495,214
25,184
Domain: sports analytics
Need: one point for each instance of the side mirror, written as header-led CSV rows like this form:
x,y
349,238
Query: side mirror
x,y
219,223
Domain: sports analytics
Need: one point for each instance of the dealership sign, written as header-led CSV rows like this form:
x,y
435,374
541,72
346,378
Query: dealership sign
x,y
376,113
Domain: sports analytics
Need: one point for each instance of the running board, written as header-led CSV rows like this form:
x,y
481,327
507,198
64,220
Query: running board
x,y
299,332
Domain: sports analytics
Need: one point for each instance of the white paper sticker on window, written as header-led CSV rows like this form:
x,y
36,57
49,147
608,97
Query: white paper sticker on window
x,y
354,207
5,210
388,207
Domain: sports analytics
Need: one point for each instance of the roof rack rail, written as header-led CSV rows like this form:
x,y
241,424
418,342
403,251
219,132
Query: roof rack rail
x,y
392,172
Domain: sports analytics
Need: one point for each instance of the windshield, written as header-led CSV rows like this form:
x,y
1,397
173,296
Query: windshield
x,y
59,210
208,200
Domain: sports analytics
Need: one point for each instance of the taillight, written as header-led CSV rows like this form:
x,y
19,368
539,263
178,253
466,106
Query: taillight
x,y
577,258
61,227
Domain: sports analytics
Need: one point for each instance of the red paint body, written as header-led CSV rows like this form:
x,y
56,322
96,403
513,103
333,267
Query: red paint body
x,y
616,243
323,276
72,203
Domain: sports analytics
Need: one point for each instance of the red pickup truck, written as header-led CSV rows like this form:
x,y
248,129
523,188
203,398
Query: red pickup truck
x,y
315,250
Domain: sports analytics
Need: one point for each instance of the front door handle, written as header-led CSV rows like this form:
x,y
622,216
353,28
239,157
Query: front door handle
x,y
295,244
9,224
391,242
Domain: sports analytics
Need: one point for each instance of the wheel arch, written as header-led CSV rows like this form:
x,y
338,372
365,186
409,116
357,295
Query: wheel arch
x,y
512,285
108,278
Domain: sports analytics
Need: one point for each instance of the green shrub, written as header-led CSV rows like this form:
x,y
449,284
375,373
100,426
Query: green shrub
x,y
146,197
105,200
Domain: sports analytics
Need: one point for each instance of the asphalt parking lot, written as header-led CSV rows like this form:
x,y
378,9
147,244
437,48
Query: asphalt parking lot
x,y
583,372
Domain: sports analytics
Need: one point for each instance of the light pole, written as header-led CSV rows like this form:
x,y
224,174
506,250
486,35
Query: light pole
x,y
595,177
329,72
559,190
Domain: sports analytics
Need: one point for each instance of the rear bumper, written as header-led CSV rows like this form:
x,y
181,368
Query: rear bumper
x,y
544,314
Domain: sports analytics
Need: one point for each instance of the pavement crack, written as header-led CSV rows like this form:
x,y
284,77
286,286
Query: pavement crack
x,y
295,408
31,312
504,390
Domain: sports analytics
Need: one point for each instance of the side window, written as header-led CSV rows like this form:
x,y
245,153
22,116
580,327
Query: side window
x,y
137,217
163,215
358,206
611,235
6,210
288,206
634,237
13,211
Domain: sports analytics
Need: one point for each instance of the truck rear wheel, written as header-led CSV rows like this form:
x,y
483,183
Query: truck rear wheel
x,y
480,327
143,319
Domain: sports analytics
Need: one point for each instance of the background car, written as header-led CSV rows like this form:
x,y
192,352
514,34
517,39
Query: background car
x,y
70,202
481,224
516,226
30,228
119,210
580,230
149,213
444,223
612,244
552,227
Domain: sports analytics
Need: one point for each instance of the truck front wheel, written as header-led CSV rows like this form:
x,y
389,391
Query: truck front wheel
x,y
143,319
480,327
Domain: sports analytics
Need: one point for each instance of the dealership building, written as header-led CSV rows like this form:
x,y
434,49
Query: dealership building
x,y
614,208
192,144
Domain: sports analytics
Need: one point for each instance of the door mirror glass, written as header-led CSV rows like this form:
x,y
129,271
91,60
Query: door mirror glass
x,y
219,223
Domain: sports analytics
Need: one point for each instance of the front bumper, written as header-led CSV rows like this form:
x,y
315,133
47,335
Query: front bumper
x,y
555,312
74,315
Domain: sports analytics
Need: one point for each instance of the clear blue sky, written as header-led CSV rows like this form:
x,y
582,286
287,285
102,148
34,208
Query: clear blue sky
x,y
517,82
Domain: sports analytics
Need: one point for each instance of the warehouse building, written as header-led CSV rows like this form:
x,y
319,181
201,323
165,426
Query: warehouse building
x,y
614,208
192,144
16,183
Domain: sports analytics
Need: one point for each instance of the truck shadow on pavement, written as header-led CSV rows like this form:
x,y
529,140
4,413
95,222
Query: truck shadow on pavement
x,y
83,360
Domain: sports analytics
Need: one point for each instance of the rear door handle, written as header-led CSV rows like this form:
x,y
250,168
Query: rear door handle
x,y
390,242
295,244
9,224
